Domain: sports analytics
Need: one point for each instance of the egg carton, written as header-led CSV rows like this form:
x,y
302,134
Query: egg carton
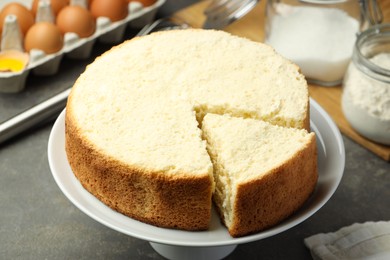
x,y
78,48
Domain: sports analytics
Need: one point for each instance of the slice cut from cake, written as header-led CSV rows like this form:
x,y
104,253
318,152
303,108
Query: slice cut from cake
x,y
263,173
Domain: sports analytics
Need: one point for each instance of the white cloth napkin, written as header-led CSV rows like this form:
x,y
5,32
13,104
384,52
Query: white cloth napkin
x,y
370,240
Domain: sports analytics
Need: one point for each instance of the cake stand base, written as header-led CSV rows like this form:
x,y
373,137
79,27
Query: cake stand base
x,y
192,253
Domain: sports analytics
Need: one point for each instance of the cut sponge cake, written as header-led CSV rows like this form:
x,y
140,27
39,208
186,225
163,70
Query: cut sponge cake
x,y
143,162
133,118
263,173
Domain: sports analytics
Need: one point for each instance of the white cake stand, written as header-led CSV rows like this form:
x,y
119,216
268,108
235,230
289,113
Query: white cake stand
x,y
215,243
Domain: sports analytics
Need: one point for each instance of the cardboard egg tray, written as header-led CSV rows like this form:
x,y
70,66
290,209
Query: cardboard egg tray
x,y
78,48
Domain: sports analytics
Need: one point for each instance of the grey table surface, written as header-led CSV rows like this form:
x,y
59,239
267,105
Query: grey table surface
x,y
37,221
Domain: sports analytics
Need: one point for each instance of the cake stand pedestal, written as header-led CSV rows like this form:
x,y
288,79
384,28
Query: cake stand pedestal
x,y
192,253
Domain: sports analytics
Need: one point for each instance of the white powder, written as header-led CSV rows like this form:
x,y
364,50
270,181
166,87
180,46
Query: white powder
x,y
366,101
319,40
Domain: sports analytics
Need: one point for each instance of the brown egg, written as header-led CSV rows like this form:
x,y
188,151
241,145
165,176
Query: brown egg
x,y
25,17
115,10
76,19
56,6
44,36
145,3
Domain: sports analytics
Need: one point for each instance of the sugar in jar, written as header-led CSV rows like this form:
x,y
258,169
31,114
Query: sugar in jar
x,y
317,35
366,85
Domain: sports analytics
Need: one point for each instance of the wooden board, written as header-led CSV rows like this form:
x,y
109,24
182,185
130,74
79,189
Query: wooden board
x,y
252,26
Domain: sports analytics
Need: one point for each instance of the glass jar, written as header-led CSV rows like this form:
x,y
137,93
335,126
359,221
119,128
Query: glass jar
x,y
366,86
317,35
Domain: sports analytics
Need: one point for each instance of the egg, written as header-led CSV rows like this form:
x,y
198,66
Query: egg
x,y
115,10
56,6
24,16
76,19
145,3
44,36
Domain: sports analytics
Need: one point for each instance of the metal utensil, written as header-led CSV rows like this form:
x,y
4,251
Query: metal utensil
x,y
219,14
371,11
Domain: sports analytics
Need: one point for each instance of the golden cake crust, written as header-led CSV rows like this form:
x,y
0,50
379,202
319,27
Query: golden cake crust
x,y
267,200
